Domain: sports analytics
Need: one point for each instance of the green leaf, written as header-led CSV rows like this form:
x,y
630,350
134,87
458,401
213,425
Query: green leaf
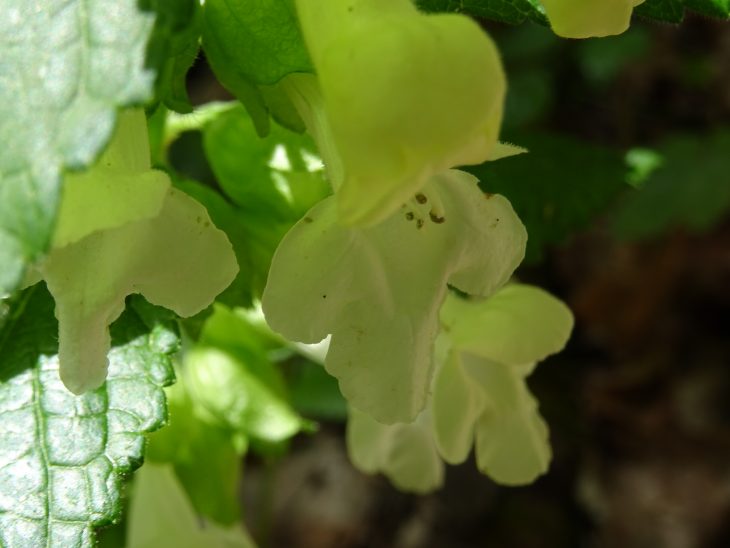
x,y
602,59
252,45
229,375
314,393
253,241
228,394
558,188
711,8
378,290
173,48
192,443
277,178
63,457
513,12
66,68
690,189
259,38
267,185
161,516
517,11
670,11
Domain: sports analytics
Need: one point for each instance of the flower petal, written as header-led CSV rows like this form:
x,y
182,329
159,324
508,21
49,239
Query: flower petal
x,y
177,259
405,453
519,324
377,291
512,444
456,404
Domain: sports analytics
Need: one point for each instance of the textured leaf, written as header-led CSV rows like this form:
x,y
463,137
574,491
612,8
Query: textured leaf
x,y
690,189
513,12
63,457
400,97
556,189
517,11
671,11
712,8
161,516
378,290
66,66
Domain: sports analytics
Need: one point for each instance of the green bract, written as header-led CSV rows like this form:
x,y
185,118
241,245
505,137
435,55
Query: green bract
x,y
586,18
378,290
405,95
479,395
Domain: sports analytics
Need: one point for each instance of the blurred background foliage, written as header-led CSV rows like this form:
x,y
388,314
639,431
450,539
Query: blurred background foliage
x,y
625,194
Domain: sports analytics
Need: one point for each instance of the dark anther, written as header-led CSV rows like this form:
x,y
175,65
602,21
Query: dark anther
x,y
421,198
419,223
436,219
409,216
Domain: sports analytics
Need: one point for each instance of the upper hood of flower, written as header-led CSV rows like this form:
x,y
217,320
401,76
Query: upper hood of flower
x,y
405,94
